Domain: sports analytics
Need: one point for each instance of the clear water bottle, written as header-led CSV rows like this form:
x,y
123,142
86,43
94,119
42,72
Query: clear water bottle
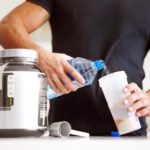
x,y
88,70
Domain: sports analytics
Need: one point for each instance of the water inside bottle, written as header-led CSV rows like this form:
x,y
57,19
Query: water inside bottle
x,y
106,70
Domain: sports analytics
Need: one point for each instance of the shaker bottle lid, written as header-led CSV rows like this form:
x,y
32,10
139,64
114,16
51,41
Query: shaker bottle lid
x,y
19,52
115,134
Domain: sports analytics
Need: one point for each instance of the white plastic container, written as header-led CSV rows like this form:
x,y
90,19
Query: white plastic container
x,y
112,86
23,94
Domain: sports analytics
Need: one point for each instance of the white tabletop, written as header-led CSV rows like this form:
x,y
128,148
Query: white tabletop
x,y
75,143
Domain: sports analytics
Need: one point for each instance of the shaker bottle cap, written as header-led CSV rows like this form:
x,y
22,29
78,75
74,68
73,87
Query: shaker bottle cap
x,y
115,134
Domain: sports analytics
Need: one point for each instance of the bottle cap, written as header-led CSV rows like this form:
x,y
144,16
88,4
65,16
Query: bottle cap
x,y
99,64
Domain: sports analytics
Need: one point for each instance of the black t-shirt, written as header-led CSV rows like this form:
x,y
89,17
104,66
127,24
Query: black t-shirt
x,y
116,31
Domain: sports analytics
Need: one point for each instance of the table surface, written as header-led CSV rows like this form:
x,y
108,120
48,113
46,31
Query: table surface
x,y
75,143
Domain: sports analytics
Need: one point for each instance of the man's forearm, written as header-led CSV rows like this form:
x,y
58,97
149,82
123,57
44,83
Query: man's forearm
x,y
16,26
12,36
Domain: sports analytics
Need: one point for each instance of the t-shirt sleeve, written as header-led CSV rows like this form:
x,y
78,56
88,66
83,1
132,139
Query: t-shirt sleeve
x,y
46,4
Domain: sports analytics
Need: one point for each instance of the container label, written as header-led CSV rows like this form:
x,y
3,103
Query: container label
x,y
43,105
7,93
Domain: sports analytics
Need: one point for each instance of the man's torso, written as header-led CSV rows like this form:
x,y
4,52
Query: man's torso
x,y
116,31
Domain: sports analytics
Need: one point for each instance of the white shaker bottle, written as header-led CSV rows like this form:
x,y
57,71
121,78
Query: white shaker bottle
x,y
112,86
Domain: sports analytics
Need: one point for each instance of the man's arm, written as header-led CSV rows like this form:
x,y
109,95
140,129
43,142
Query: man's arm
x,y
24,19
14,33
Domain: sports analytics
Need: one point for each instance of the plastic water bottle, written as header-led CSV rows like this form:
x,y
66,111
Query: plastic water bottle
x,y
88,70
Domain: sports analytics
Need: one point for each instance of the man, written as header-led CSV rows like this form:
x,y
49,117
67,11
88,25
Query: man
x,y
115,31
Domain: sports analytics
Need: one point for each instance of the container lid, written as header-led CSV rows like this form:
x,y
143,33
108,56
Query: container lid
x,y
26,53
115,134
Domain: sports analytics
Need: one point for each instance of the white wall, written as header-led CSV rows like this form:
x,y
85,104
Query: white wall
x,y
42,36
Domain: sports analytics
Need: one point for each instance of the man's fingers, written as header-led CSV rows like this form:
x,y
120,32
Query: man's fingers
x,y
59,84
143,112
68,83
138,105
55,82
134,97
53,86
75,74
64,79
130,88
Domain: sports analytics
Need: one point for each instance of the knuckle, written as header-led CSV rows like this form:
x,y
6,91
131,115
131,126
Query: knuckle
x,y
145,111
68,66
59,71
137,106
52,75
69,85
141,103
139,94
145,102
131,98
50,71
71,71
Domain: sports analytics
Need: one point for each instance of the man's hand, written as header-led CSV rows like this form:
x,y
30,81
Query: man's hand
x,y
14,33
137,100
56,67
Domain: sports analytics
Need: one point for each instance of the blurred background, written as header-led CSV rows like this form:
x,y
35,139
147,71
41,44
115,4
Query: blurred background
x,y
43,37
